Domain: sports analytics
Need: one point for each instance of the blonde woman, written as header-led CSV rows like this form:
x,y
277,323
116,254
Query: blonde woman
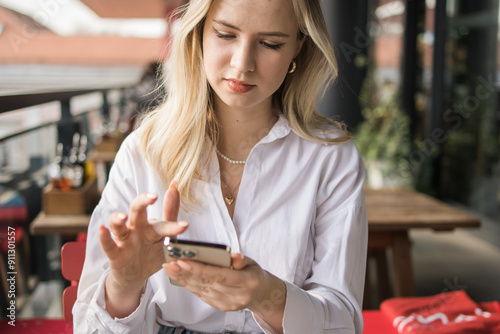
x,y
236,155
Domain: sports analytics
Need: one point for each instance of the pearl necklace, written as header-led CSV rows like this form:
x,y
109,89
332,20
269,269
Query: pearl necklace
x,y
231,161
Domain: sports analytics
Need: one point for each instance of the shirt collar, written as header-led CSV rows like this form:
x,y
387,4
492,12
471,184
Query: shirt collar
x,y
280,130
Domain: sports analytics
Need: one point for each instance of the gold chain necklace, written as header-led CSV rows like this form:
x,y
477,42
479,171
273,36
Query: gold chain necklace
x,y
230,198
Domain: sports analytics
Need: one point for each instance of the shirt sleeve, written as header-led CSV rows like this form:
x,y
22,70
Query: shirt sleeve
x,y
330,300
89,311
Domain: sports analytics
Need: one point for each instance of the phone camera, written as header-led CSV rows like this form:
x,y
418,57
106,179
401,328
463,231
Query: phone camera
x,y
174,252
188,253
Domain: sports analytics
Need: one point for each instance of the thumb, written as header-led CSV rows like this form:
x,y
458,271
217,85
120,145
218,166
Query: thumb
x,y
239,261
108,245
171,203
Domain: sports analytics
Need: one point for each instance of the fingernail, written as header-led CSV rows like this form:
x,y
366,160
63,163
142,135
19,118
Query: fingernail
x,y
102,227
122,216
151,195
183,265
183,223
173,185
171,266
176,267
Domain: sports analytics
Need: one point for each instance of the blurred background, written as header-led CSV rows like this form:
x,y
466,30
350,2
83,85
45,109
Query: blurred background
x,y
418,86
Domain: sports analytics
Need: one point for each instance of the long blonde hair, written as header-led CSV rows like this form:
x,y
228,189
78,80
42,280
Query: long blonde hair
x,y
174,135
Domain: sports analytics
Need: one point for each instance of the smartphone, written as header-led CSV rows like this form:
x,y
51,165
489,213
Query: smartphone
x,y
204,252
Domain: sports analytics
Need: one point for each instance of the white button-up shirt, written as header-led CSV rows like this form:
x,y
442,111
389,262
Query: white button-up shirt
x,y
300,214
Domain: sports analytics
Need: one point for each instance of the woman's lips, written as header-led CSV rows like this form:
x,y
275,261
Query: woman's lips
x,y
239,86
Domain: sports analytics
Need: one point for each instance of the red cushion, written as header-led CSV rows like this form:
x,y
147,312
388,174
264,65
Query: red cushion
x,y
493,306
447,312
13,215
377,322
35,326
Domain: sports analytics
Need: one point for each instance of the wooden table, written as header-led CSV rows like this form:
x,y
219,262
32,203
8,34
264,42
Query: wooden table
x,y
391,215
102,156
63,225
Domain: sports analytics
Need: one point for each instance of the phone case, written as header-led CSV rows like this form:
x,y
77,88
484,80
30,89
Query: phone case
x,y
204,252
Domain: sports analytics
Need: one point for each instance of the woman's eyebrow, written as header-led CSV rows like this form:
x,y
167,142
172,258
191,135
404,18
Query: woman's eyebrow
x,y
267,33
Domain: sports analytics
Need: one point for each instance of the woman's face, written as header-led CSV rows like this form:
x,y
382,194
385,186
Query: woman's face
x,y
248,46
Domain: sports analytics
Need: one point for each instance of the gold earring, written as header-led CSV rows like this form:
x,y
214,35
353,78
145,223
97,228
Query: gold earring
x,y
293,66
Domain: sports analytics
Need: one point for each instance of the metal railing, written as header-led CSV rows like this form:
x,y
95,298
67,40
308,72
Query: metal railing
x,y
27,180
19,101
34,174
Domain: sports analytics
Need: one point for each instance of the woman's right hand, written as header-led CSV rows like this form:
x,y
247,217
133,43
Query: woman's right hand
x,y
136,252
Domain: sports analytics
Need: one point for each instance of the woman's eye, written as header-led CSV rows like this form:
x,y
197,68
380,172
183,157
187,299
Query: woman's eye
x,y
272,46
222,35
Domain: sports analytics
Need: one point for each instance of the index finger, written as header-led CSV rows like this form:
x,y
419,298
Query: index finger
x,y
168,229
138,215
171,203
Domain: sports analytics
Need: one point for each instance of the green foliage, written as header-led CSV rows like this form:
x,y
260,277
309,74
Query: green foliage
x,y
383,138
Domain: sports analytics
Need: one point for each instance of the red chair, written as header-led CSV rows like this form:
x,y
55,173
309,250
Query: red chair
x,y
72,258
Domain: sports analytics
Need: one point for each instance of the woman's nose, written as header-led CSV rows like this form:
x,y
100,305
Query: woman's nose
x,y
243,58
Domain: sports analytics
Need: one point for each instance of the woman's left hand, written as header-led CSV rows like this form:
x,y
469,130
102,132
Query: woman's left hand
x,y
246,285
